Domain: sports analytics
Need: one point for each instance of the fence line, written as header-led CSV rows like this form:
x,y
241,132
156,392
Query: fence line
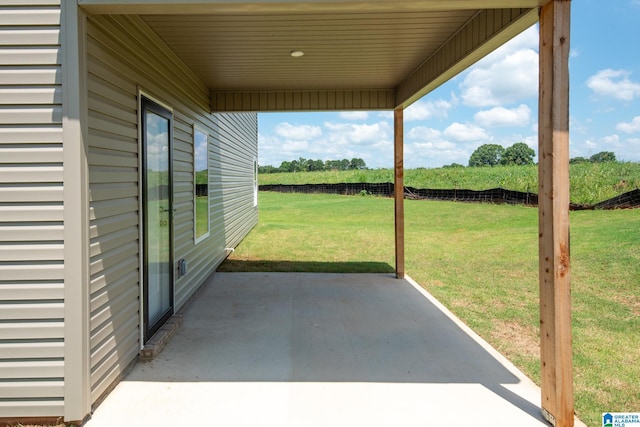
x,y
630,199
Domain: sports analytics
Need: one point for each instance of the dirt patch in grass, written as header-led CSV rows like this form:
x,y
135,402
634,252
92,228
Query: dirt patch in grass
x,y
516,339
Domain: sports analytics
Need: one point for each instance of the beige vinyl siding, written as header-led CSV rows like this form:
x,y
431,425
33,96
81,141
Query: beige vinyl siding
x,y
31,211
238,133
123,57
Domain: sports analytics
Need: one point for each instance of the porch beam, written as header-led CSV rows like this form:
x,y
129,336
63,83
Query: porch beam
x,y
293,6
553,215
398,138
487,31
312,100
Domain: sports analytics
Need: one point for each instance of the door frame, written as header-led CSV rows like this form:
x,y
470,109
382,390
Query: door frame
x,y
150,103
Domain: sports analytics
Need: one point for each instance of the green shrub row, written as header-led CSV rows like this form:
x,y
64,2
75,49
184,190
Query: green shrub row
x,y
590,182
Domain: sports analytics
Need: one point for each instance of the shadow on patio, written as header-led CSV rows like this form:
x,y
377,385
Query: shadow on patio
x,y
322,349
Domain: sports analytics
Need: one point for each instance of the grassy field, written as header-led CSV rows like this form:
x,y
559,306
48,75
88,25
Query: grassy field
x,y
590,182
481,261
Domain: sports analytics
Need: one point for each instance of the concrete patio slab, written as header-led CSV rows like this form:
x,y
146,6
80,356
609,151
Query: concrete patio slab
x,y
304,349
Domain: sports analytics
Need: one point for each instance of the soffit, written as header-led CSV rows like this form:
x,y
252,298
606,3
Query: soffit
x,y
376,53
341,50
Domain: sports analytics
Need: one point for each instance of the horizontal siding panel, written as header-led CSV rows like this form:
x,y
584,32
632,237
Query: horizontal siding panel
x,y
32,350
107,74
27,232
106,277
129,130
113,241
109,110
29,36
31,154
31,389
33,75
34,2
30,272
17,194
31,291
110,346
30,135
114,158
142,53
112,224
33,173
112,369
33,56
126,303
30,115
110,191
110,328
113,258
30,16
32,252
32,408
32,369
30,95
31,330
100,210
105,93
30,311
31,212
101,140
116,287
105,174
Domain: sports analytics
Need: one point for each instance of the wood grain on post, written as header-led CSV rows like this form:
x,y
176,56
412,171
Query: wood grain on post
x,y
553,212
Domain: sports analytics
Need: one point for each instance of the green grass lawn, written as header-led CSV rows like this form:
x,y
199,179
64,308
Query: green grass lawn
x,y
590,182
481,261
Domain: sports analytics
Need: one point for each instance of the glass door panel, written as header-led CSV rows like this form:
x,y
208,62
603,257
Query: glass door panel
x,y
158,289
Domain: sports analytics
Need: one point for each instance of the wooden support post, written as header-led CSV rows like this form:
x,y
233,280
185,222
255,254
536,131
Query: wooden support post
x,y
553,215
398,138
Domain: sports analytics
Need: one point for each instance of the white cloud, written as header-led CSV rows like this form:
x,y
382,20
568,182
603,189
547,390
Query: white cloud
x,y
354,115
298,132
423,110
590,143
500,116
610,139
504,82
423,133
465,132
295,146
507,75
624,149
614,84
631,127
359,134
434,153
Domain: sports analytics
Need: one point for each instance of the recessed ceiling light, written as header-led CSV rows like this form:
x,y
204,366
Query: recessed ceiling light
x,y
296,53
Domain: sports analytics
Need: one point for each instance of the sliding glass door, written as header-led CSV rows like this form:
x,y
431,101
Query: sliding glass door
x,y
157,216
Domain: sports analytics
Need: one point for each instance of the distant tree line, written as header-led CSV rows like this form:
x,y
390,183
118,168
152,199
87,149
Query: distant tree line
x,y
601,157
494,154
308,165
520,154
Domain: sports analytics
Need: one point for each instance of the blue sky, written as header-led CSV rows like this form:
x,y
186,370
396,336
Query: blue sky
x,y
492,102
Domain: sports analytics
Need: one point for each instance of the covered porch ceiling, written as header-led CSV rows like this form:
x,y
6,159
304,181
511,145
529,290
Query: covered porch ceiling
x,y
367,55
